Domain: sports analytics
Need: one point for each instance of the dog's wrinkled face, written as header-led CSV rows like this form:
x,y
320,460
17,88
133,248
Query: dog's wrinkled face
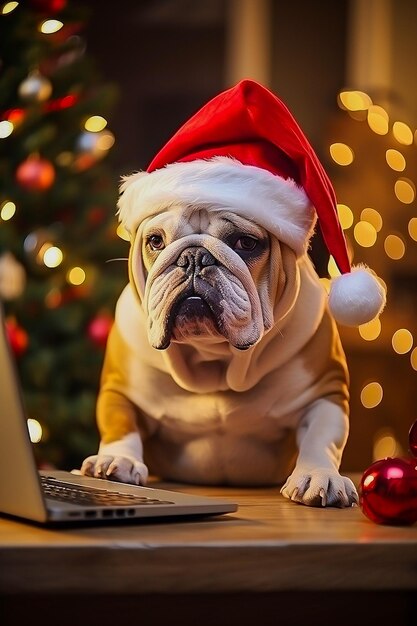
x,y
202,270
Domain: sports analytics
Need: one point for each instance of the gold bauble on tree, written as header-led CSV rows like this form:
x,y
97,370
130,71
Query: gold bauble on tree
x,y
35,88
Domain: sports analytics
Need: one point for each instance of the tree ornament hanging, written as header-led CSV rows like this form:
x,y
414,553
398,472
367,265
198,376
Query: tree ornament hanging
x,y
48,6
35,88
12,277
388,488
35,174
17,336
99,328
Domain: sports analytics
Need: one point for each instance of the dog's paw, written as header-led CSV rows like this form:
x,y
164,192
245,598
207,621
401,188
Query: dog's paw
x,y
121,468
320,487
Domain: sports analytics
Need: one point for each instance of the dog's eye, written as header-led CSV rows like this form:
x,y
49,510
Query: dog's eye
x,y
246,243
156,242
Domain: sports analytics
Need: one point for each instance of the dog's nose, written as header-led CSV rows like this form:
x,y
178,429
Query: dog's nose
x,y
194,259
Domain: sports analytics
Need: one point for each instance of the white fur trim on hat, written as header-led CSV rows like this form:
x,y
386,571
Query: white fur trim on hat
x,y
277,204
357,297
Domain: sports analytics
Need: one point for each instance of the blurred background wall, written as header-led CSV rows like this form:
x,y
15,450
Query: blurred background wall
x,y
170,56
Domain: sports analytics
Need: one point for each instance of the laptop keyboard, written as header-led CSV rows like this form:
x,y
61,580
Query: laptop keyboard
x,y
92,496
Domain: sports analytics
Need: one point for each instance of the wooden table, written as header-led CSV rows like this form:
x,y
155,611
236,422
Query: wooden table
x,y
271,562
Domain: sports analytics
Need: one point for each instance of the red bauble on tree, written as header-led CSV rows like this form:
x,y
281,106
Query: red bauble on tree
x,y
388,488
35,174
48,6
99,328
18,337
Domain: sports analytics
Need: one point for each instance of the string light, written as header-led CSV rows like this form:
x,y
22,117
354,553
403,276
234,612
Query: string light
x,y
76,276
412,228
354,100
9,7
402,341
371,330
341,153
372,217
378,119
394,247
402,133
413,359
385,444
405,190
51,256
35,430
332,268
371,395
365,234
395,160
48,27
6,129
345,216
95,123
8,209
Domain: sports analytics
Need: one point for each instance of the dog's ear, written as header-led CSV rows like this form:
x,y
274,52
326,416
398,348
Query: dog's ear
x,y
279,284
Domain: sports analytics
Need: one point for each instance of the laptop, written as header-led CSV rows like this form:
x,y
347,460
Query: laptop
x,y
54,496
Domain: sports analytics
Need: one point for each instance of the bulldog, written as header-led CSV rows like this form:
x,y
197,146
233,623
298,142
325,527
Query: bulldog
x,y
224,364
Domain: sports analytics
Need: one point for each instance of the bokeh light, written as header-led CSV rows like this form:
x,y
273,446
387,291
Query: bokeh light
x,y
372,217
395,160
394,247
341,153
402,341
365,234
371,395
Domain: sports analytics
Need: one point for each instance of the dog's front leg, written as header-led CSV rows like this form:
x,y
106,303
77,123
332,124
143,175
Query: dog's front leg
x,y
321,438
120,455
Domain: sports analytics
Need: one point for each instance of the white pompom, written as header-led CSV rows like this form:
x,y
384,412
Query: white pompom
x,y
357,297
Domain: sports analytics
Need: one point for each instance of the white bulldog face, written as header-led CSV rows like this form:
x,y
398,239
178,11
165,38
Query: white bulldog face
x,y
201,273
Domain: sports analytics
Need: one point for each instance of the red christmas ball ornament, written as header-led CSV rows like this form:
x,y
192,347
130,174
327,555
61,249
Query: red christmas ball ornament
x,y
99,328
17,336
35,174
388,488
412,439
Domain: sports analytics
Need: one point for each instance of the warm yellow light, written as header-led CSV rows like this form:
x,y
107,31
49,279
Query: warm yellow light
x,y
326,284
405,190
105,141
394,247
35,430
402,341
413,359
372,217
76,276
9,7
48,27
385,444
332,268
371,395
65,158
402,133
345,216
355,100
95,124
6,129
371,330
122,232
365,234
412,228
8,209
53,256
341,153
395,160
378,119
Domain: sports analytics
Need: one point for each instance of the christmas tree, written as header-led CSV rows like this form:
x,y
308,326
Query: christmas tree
x,y
57,221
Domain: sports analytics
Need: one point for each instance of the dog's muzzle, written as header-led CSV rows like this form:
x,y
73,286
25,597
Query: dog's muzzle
x,y
201,291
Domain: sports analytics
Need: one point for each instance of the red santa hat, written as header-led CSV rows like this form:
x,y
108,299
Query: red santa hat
x,y
245,151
